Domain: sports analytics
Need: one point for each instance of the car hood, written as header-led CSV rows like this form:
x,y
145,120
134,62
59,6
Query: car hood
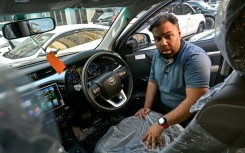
x,y
5,60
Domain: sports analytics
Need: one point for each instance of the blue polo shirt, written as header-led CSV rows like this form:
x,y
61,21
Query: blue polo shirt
x,y
190,69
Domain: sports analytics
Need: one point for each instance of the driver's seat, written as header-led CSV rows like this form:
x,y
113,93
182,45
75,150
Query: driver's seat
x,y
220,125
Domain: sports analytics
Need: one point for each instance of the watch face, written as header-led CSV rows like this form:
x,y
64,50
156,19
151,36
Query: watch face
x,y
161,120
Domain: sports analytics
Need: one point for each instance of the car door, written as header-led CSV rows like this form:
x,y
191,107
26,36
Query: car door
x,y
182,19
139,60
192,23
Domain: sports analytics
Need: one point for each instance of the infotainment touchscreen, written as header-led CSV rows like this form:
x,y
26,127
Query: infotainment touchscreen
x,y
43,100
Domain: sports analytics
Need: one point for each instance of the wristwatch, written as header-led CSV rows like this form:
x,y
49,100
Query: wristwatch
x,y
163,122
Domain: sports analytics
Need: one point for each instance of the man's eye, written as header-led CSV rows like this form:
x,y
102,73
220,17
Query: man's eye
x,y
167,36
157,39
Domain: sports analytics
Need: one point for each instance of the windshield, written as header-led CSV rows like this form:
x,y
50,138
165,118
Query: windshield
x,y
29,46
76,30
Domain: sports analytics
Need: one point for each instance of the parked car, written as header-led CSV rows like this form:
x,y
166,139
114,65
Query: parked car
x,y
7,45
67,38
207,11
84,96
191,22
214,3
105,19
105,16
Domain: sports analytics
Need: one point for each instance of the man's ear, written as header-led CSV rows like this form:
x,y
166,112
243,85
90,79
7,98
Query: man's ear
x,y
180,33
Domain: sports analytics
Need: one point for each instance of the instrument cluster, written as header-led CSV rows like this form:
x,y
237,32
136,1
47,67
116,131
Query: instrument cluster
x,y
73,75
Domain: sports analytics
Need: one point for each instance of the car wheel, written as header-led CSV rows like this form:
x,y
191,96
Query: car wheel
x,y
209,23
200,28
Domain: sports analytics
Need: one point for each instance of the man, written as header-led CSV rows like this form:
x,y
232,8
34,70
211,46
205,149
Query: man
x,y
180,71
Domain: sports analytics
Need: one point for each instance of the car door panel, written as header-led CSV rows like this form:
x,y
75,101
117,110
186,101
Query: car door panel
x,y
140,63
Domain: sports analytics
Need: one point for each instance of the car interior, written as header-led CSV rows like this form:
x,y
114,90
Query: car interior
x,y
96,89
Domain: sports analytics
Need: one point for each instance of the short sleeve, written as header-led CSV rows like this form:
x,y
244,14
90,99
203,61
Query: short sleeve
x,y
197,70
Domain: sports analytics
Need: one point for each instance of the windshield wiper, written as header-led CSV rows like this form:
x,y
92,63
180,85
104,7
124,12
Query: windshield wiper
x,y
39,45
8,55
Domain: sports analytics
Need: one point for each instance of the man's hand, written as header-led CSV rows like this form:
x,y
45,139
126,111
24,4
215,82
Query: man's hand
x,y
142,113
153,136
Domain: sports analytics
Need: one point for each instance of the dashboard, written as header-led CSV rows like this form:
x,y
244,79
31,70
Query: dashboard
x,y
59,90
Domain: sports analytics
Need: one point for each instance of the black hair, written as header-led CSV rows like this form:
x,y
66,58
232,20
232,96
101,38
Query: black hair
x,y
162,18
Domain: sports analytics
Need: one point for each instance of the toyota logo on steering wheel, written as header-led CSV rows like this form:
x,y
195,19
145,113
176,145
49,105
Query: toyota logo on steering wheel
x,y
111,80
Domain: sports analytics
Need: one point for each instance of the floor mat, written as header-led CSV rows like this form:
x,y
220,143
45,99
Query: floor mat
x,y
89,136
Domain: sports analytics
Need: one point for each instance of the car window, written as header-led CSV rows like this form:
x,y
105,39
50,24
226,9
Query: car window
x,y
76,39
178,10
195,6
187,9
65,42
91,35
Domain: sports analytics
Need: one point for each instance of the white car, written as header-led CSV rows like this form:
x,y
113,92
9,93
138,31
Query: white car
x,y
7,45
190,21
63,39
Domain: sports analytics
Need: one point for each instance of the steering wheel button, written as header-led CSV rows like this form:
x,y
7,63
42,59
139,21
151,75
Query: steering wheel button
x,y
95,91
98,89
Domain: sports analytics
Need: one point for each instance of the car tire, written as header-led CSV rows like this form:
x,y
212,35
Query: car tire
x,y
200,28
209,23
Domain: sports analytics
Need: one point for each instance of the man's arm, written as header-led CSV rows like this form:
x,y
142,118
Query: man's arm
x,y
179,114
182,111
150,95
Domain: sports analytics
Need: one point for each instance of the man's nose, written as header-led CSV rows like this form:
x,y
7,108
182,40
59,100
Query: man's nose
x,y
163,42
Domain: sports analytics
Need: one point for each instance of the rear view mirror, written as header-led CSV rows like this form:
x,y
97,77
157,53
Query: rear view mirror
x,y
28,27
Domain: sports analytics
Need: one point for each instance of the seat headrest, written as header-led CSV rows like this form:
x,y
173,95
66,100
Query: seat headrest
x,y
230,33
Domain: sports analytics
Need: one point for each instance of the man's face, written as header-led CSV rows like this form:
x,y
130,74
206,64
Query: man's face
x,y
167,38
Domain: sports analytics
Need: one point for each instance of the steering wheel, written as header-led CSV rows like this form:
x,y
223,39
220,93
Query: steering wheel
x,y
111,90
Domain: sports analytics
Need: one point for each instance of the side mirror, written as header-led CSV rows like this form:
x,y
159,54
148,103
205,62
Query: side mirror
x,y
28,27
138,41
